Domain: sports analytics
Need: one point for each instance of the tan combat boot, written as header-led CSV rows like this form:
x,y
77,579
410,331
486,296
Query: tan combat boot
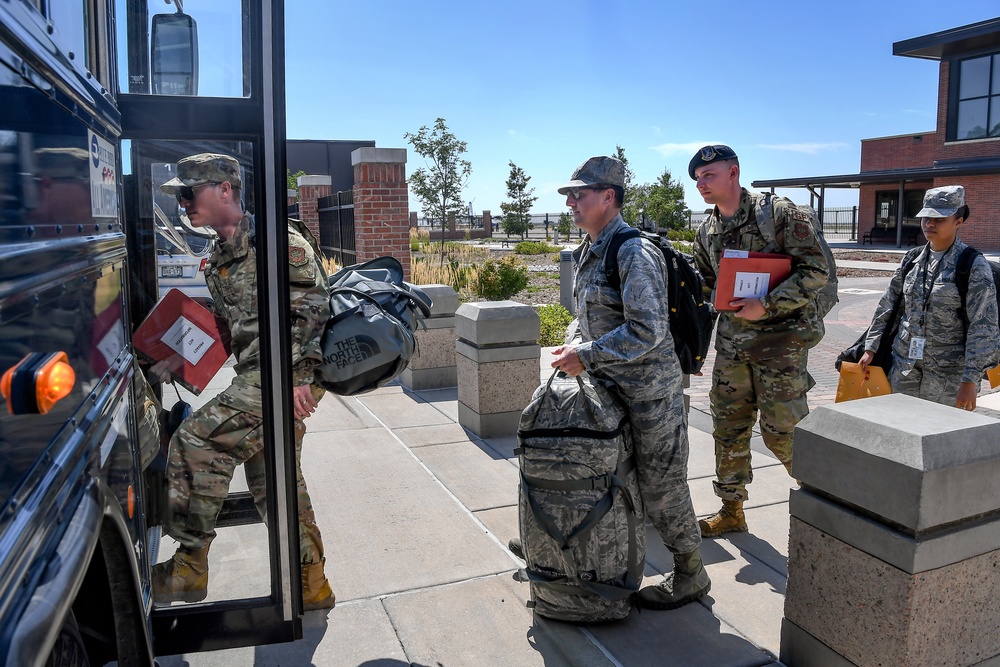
x,y
183,578
729,519
316,591
688,582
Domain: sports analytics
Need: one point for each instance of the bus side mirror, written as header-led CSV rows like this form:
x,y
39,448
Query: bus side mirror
x,y
175,54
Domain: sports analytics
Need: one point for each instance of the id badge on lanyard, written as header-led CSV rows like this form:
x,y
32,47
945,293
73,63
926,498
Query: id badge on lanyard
x,y
917,343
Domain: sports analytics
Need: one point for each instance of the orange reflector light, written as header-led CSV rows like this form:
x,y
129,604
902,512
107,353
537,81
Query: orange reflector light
x,y
37,383
131,502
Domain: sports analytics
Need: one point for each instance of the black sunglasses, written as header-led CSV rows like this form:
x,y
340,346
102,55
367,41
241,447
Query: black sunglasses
x,y
575,193
186,193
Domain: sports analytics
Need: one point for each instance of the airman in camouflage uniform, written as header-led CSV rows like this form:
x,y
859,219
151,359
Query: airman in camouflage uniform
x,y
227,430
626,342
933,356
761,348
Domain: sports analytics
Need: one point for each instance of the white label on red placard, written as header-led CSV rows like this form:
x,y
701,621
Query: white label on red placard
x,y
750,285
187,340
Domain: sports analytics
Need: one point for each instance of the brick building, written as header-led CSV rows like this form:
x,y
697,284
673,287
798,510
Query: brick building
x,y
964,148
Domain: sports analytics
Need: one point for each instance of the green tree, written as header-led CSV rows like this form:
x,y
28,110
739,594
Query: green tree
x,y
565,224
629,208
439,186
293,179
665,203
517,211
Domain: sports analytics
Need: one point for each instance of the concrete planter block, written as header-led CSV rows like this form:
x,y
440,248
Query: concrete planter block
x,y
497,323
433,364
497,358
894,537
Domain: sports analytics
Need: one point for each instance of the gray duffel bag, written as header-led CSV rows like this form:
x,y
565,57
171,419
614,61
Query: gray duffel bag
x,y
369,339
581,517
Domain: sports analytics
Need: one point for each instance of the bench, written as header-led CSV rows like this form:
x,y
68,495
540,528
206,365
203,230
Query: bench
x,y
888,235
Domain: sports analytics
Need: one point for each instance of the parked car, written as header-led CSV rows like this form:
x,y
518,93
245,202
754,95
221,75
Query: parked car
x,y
181,258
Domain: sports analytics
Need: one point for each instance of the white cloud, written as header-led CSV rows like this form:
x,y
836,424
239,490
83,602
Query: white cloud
x,y
810,149
682,149
516,135
657,131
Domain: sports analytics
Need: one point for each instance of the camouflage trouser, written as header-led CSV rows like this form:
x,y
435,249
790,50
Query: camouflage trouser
x,y
204,453
659,433
925,384
777,387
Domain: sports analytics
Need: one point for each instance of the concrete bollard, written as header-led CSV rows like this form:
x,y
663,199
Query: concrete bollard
x,y
498,359
894,542
566,281
433,365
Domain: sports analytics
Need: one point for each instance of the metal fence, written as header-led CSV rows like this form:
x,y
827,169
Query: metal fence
x,y
336,227
838,224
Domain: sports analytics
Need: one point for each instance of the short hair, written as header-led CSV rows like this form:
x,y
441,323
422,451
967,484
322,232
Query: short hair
x,y
619,195
964,212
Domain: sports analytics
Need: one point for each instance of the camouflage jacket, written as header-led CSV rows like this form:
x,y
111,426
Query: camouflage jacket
x,y
791,318
932,310
231,275
626,334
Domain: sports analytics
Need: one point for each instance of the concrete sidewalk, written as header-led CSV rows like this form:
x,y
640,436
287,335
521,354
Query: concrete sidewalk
x,y
416,514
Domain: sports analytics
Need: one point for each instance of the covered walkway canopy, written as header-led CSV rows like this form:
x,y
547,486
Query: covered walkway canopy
x,y
950,169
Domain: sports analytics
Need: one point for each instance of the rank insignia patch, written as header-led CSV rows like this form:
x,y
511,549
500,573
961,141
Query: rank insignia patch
x,y
296,256
800,231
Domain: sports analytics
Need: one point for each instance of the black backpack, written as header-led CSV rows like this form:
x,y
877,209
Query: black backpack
x,y
963,269
691,317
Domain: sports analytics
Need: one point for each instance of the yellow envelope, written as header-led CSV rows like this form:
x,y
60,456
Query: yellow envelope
x,y
856,383
994,377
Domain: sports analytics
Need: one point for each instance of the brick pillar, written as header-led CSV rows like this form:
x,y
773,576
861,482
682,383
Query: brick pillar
x,y
290,197
312,188
381,205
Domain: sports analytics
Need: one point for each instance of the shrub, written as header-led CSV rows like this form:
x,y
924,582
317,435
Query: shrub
x,y
553,322
500,280
682,235
534,248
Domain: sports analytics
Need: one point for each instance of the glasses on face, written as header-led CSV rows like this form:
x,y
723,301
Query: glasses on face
x,y
576,193
187,192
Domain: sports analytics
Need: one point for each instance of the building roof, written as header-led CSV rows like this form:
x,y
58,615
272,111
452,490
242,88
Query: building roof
x,y
941,169
964,39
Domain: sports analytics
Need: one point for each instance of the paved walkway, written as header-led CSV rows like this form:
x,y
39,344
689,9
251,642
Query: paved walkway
x,y
416,513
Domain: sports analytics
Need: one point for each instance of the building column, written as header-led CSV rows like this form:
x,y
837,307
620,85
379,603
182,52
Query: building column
x,y
312,188
381,205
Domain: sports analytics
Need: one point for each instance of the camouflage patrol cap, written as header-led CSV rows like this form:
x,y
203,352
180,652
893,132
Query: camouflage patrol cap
x,y
599,170
710,154
942,202
63,163
204,168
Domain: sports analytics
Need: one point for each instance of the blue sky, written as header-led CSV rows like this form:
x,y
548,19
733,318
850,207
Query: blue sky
x,y
793,87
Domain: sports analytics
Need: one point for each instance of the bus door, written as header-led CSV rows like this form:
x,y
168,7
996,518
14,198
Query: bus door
x,y
208,76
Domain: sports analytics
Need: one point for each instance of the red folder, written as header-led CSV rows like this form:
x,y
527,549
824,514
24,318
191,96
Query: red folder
x,y
744,275
188,335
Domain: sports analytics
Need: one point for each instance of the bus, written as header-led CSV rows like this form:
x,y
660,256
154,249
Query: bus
x,y
99,100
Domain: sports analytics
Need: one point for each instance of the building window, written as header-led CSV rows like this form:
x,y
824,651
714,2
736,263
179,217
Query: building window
x,y
978,99
886,202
